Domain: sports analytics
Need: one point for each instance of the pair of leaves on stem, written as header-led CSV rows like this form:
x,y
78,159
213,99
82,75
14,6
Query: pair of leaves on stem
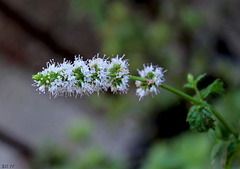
x,y
200,117
215,88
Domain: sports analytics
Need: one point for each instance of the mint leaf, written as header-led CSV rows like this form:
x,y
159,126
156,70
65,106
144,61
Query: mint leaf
x,y
199,78
214,88
217,148
200,118
187,85
231,151
192,84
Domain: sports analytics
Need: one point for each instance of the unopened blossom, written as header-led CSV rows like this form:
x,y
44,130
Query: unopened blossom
x,y
70,79
154,78
119,68
44,79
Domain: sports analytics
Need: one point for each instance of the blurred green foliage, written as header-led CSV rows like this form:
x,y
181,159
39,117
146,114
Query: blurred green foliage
x,y
187,151
54,157
79,130
230,107
50,156
83,156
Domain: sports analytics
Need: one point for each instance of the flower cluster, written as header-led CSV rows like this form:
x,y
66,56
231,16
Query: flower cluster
x,y
79,78
83,77
119,67
153,76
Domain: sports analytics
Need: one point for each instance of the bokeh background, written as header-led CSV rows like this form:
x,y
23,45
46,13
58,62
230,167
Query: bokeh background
x,y
112,131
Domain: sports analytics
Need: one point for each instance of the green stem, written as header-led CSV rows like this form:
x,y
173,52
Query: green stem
x,y
191,99
199,102
179,93
137,78
224,122
130,77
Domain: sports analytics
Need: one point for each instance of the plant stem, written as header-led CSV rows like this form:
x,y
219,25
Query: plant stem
x,y
184,95
191,99
137,78
200,102
130,77
224,122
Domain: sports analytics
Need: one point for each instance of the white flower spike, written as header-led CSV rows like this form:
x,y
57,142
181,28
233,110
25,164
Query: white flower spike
x,y
94,75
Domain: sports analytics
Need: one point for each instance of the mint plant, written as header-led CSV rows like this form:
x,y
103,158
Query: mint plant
x,y
100,74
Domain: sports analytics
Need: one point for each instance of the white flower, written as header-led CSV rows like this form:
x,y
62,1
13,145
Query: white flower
x,y
60,84
83,77
98,68
42,89
51,67
119,68
154,78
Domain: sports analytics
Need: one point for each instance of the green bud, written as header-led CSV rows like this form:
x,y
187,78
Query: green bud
x,y
190,78
150,75
35,77
115,68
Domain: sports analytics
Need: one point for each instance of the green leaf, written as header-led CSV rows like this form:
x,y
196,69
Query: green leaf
x,y
187,85
214,88
200,118
192,84
217,148
190,79
199,78
231,151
